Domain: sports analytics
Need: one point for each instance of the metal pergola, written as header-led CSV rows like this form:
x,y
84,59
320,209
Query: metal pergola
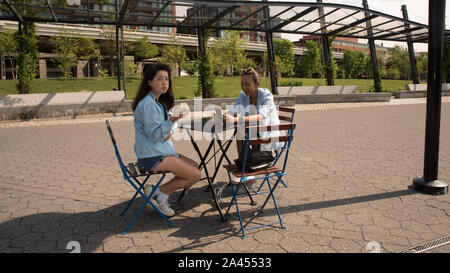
x,y
314,18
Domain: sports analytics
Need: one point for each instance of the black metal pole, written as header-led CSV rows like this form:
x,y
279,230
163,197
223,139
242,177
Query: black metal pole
x,y
202,55
326,53
412,59
122,56
430,183
373,52
327,60
270,52
118,49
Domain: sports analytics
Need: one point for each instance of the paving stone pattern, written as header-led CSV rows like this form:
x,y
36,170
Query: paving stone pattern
x,y
349,185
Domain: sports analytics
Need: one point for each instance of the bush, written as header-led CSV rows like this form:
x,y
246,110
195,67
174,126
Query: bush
x,y
291,82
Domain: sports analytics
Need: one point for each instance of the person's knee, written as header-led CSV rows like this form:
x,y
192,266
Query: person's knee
x,y
196,176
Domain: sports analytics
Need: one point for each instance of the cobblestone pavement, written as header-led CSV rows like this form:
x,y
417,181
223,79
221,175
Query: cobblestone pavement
x,y
349,182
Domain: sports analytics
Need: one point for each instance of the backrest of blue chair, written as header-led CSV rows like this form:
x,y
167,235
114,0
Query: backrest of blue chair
x,y
116,150
287,139
284,114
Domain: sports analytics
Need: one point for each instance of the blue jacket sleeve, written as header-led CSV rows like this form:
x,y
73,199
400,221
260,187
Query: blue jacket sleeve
x,y
155,127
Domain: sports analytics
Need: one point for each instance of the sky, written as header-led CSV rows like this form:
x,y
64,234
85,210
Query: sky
x,y
417,12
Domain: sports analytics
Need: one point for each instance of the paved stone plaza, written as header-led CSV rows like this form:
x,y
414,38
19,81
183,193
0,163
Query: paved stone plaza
x,y
349,183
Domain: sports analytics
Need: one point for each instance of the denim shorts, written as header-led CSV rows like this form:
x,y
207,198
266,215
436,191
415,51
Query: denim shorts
x,y
150,163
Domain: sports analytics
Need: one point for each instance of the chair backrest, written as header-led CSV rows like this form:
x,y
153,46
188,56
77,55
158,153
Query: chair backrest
x,y
255,130
286,114
125,172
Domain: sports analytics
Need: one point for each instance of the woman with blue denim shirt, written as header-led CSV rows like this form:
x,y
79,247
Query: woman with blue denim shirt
x,y
153,127
256,106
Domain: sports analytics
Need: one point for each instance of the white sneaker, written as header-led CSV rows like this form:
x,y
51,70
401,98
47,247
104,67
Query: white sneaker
x,y
163,207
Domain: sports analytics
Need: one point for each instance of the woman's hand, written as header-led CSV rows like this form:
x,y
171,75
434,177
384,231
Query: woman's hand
x,y
227,118
175,117
168,136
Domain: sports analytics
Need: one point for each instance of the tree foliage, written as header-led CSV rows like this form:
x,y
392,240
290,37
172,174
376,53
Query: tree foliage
x,y
28,59
143,49
205,86
284,57
309,65
64,46
228,54
174,54
353,64
9,46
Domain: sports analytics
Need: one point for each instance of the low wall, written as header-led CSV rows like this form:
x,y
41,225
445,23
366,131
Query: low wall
x,y
52,105
47,105
415,94
317,90
423,87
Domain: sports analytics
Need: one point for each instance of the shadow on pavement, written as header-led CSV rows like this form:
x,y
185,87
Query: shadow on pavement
x,y
51,232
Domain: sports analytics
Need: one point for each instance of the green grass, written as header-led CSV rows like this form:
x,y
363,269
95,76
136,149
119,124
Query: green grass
x,y
183,87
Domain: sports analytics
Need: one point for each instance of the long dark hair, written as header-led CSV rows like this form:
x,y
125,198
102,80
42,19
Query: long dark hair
x,y
166,99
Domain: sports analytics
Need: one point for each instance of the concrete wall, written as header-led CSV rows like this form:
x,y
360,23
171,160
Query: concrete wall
x,y
28,106
317,90
423,87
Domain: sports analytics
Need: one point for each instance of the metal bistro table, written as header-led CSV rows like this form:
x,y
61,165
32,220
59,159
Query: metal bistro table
x,y
214,128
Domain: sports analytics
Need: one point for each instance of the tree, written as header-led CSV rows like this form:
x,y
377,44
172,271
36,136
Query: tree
x,y
28,57
309,66
65,47
87,50
205,71
354,64
228,53
143,49
9,46
399,60
422,65
174,54
284,57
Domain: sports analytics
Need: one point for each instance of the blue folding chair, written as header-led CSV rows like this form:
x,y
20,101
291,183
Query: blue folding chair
x,y
268,175
284,114
133,174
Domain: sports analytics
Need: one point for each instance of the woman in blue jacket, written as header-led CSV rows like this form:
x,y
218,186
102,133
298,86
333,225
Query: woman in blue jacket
x,y
153,126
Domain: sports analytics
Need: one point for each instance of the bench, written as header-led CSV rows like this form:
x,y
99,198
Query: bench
x,y
419,91
317,90
49,105
423,87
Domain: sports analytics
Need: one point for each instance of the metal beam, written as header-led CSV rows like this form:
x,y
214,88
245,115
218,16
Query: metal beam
x,y
159,12
381,37
122,12
273,17
388,30
336,31
219,16
373,27
13,10
340,19
293,18
430,183
197,9
373,52
318,18
270,53
248,16
51,10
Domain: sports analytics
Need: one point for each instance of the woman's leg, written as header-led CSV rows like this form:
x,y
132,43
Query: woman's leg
x,y
185,170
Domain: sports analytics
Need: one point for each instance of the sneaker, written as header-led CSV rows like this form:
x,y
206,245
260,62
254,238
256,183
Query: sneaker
x,y
163,207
